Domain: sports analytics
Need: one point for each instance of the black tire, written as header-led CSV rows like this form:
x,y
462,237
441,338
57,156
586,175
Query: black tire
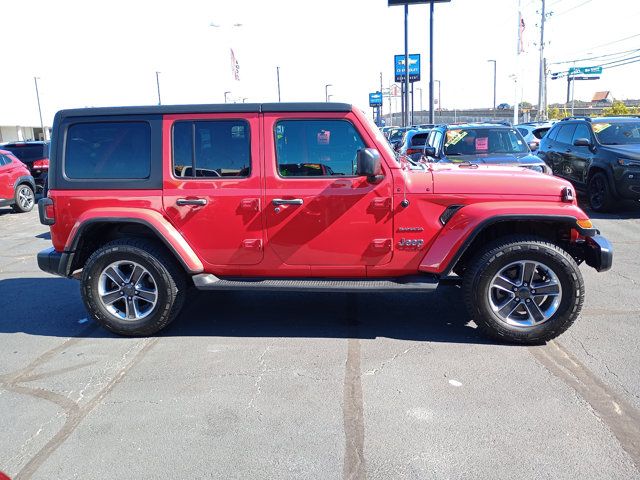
x,y
498,256
19,204
168,276
599,193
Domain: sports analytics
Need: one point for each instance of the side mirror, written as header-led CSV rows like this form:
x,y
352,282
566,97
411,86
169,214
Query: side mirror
x,y
369,165
534,146
430,151
582,142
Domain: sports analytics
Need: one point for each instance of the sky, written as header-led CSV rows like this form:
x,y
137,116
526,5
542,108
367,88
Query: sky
x,y
90,53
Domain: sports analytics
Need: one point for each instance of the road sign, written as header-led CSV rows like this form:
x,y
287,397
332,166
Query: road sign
x,y
585,71
375,99
413,2
581,77
414,67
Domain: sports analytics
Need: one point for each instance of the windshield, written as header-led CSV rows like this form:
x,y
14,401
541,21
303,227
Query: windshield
x,y
620,133
479,141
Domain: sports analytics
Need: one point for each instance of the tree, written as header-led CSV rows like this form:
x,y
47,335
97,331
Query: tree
x,y
617,108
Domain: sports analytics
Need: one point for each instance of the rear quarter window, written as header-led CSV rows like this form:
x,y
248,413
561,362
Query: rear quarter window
x,y
540,133
108,150
419,139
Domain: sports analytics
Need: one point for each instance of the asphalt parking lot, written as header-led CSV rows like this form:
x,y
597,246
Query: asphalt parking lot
x,y
247,385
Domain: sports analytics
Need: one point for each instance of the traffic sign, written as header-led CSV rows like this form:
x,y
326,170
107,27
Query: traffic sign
x,y
585,71
375,99
414,67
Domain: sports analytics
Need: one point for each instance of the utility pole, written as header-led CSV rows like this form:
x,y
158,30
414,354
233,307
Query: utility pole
x,y
278,75
431,11
44,134
495,70
420,89
542,114
405,117
225,96
381,99
158,84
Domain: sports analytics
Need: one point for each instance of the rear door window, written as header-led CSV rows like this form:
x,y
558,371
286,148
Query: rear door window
x,y
108,150
212,149
566,133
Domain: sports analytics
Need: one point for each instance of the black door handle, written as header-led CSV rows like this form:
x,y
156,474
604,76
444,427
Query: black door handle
x,y
287,201
191,201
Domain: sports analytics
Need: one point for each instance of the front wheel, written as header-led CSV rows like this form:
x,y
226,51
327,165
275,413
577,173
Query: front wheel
x,y
133,287
599,193
524,290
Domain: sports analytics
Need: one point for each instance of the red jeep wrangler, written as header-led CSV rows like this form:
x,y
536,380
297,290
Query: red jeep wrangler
x,y
148,201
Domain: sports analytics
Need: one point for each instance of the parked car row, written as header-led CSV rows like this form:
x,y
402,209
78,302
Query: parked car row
x,y
600,156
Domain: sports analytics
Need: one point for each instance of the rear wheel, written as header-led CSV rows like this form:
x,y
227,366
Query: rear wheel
x,y
599,193
133,287
24,199
524,290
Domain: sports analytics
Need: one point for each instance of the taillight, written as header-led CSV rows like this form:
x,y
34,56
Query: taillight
x,y
47,211
42,164
411,151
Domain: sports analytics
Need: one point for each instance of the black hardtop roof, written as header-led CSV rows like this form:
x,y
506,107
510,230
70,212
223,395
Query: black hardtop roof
x,y
207,108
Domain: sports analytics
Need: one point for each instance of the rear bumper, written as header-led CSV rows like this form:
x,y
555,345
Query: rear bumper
x,y
598,253
54,262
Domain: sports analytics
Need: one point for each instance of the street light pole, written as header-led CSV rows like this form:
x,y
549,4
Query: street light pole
x,y
431,12
158,84
225,96
326,92
406,66
494,84
44,134
278,74
420,89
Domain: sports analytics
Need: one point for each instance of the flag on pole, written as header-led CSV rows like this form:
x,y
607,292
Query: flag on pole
x,y
521,28
235,66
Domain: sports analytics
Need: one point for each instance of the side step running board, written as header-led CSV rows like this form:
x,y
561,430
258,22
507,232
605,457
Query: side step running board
x,y
418,283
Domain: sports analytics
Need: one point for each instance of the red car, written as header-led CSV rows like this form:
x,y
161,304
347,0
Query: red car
x,y
35,155
17,186
147,201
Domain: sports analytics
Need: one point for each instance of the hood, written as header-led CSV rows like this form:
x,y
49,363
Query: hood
x,y
625,151
493,180
497,159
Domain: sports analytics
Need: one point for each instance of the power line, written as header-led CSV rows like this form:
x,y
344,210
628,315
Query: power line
x,y
615,41
620,65
597,57
573,8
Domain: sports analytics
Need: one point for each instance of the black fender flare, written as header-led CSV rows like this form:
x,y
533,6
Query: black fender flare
x,y
561,219
28,179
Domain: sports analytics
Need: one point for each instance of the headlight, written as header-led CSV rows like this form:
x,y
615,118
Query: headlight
x,y
543,168
626,162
